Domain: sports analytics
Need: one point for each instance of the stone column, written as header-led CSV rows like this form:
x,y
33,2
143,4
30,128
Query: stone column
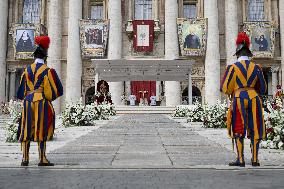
x,y
212,59
3,45
156,13
274,82
189,89
172,88
55,34
231,19
74,61
158,90
42,12
115,46
128,88
281,23
12,91
130,9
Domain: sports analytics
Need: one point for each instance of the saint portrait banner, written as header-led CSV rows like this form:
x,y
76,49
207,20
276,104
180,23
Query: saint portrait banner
x,y
262,37
143,35
93,38
24,35
192,35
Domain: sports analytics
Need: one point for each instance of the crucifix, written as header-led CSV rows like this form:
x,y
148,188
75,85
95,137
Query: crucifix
x,y
144,101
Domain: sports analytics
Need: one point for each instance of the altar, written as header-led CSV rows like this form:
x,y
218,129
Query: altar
x,y
139,71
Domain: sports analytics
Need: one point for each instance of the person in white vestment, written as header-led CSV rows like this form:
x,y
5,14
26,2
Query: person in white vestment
x,y
132,100
153,101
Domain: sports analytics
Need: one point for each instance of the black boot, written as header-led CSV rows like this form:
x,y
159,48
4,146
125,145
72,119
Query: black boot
x,y
255,164
25,163
237,164
45,164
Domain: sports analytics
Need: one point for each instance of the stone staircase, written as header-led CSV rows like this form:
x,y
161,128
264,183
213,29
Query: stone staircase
x,y
144,109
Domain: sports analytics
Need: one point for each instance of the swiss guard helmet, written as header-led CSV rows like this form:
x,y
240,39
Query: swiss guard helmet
x,y
243,44
42,43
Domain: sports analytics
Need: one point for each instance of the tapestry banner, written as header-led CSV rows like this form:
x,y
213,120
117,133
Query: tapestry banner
x,y
262,37
192,35
93,38
24,39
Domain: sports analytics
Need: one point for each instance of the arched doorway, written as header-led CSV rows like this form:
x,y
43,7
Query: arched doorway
x,y
90,93
196,95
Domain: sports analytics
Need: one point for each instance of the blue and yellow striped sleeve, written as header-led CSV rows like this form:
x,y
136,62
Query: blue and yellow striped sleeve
x,y
227,85
52,85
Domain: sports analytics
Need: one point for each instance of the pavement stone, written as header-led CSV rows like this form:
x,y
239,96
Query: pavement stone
x,y
141,179
141,141
139,151
267,157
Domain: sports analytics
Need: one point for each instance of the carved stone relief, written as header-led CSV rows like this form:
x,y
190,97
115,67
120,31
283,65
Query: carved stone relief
x,y
197,72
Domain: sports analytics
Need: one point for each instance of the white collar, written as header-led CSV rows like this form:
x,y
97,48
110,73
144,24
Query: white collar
x,y
243,58
39,61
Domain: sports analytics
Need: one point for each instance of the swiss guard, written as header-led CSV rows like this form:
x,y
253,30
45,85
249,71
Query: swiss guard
x,y
243,82
103,95
39,86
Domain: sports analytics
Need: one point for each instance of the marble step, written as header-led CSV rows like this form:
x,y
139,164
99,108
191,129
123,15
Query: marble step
x,y
144,109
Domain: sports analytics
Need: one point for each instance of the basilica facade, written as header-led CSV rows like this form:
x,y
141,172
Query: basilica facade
x,y
141,47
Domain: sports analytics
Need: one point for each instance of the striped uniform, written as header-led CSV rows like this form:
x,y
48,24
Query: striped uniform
x,y
38,87
243,81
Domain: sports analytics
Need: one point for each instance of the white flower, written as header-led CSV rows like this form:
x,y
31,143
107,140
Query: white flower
x,y
280,145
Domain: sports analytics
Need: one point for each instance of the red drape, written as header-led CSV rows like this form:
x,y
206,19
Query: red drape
x,y
149,86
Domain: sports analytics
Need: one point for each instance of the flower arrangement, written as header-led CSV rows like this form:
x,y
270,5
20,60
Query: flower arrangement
x,y
215,115
105,110
11,126
212,116
77,114
197,113
4,108
194,113
98,94
274,120
181,111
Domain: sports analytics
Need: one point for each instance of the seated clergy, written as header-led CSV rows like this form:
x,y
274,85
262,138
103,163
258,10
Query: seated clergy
x,y
132,100
153,101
